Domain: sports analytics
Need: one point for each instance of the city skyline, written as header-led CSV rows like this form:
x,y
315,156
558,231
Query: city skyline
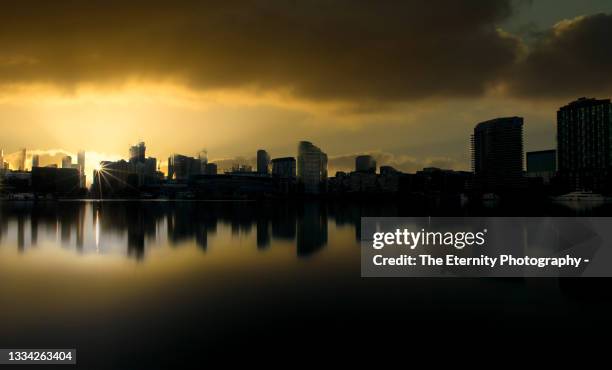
x,y
88,86
25,160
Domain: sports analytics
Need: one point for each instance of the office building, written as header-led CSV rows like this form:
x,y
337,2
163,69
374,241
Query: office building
x,y
138,153
284,168
497,154
211,169
365,164
57,181
181,167
81,167
113,178
311,167
584,143
263,162
203,158
22,160
542,164
35,160
67,162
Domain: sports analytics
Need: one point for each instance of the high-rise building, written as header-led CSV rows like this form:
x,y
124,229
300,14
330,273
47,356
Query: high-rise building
x,y
203,158
67,162
584,142
81,167
365,163
49,180
35,160
284,168
22,160
181,167
542,164
138,153
211,169
114,178
263,162
497,154
311,167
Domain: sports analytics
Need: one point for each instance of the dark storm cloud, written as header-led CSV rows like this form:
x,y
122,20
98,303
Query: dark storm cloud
x,y
573,58
351,50
344,49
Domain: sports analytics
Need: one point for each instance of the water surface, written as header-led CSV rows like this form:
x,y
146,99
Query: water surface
x,y
149,284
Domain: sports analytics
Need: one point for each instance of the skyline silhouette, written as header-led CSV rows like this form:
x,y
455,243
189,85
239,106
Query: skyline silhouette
x,y
386,92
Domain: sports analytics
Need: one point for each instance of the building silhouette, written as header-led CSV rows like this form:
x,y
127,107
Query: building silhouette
x,y
22,160
497,155
263,162
181,167
210,169
311,167
81,167
584,143
203,158
542,164
284,168
35,160
55,181
67,162
138,153
365,163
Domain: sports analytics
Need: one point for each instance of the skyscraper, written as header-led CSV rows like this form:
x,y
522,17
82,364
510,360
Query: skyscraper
x,y
181,167
211,169
542,164
311,167
497,154
283,168
365,163
263,162
35,160
22,159
81,166
67,162
138,153
584,142
203,158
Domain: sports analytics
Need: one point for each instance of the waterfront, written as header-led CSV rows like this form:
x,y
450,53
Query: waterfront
x,y
146,283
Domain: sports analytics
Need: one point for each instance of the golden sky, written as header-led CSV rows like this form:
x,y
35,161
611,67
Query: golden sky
x,y
405,80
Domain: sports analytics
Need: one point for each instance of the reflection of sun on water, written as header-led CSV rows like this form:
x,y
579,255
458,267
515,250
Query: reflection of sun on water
x,y
97,232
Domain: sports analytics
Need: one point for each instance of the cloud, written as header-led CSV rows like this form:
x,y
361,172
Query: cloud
x,y
571,59
404,163
46,157
344,50
360,52
54,157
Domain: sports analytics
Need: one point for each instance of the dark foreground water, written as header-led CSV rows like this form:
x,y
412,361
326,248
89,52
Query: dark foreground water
x,y
172,285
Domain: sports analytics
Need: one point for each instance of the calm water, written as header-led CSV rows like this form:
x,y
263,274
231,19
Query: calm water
x,y
150,284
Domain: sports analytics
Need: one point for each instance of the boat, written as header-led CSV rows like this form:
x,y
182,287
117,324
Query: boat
x,y
582,196
21,197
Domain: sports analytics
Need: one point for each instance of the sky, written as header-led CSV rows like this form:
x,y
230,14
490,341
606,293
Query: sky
x,y
403,80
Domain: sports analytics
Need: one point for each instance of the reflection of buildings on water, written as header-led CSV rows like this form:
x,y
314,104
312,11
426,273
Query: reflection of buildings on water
x,y
133,227
57,222
263,233
311,229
